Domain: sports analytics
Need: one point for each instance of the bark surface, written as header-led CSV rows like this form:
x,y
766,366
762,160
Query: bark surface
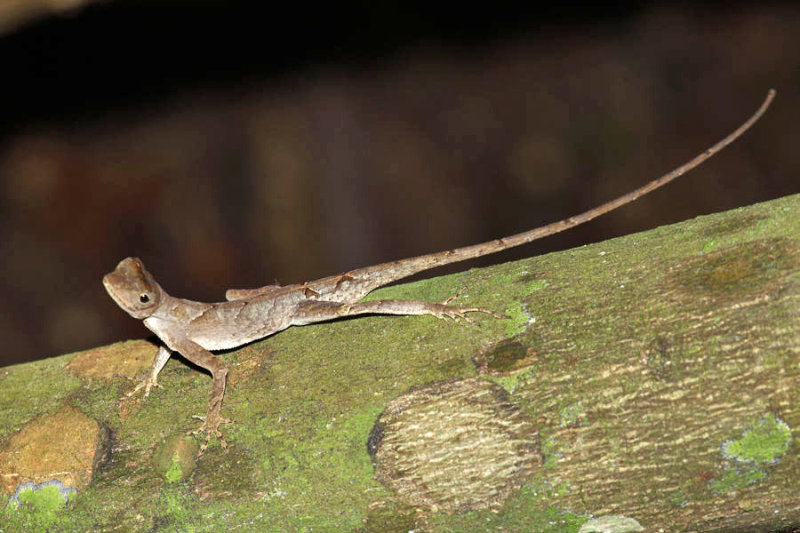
x,y
652,376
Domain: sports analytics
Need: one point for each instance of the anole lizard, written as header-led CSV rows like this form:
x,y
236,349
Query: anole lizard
x,y
195,328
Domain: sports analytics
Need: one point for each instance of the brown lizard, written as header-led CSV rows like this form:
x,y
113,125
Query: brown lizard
x,y
195,328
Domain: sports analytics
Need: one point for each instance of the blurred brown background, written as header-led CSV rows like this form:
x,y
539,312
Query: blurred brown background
x,y
232,147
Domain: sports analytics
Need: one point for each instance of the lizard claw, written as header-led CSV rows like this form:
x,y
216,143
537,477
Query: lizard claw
x,y
460,313
456,313
210,427
456,295
146,384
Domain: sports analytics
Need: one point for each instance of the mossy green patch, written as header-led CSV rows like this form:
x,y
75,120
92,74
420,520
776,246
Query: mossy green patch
x,y
709,246
518,319
513,382
37,509
175,457
178,512
436,289
234,473
390,518
31,389
101,402
174,472
45,500
321,475
518,316
736,478
763,442
182,395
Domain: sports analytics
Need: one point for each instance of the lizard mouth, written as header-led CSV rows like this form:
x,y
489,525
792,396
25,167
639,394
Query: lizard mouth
x,y
109,285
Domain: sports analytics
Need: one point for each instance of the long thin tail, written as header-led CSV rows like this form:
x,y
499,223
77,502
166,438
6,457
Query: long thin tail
x,y
365,279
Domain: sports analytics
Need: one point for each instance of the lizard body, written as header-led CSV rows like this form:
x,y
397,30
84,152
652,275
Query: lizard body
x,y
195,328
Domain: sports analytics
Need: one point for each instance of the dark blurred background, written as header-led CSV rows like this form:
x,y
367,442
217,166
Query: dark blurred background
x,y
230,144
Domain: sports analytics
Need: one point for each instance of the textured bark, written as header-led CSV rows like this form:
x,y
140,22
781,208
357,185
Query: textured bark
x,y
652,376
690,355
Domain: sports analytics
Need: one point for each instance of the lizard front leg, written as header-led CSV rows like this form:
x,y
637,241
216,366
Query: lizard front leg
x,y
219,373
152,377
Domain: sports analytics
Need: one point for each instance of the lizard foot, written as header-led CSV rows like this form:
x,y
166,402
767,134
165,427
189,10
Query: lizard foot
x,y
443,310
146,384
456,295
460,313
210,427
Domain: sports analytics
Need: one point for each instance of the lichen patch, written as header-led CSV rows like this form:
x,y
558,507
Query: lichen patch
x,y
760,445
763,442
457,445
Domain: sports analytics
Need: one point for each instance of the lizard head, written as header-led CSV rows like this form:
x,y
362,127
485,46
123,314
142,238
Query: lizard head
x,y
133,288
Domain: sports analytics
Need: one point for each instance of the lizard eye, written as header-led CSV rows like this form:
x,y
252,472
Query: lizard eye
x,y
144,298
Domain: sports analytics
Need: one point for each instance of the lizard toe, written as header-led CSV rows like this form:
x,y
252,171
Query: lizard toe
x,y
453,297
210,427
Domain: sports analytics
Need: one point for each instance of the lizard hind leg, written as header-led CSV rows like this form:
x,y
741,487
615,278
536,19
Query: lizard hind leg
x,y
211,423
213,417
312,311
219,372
